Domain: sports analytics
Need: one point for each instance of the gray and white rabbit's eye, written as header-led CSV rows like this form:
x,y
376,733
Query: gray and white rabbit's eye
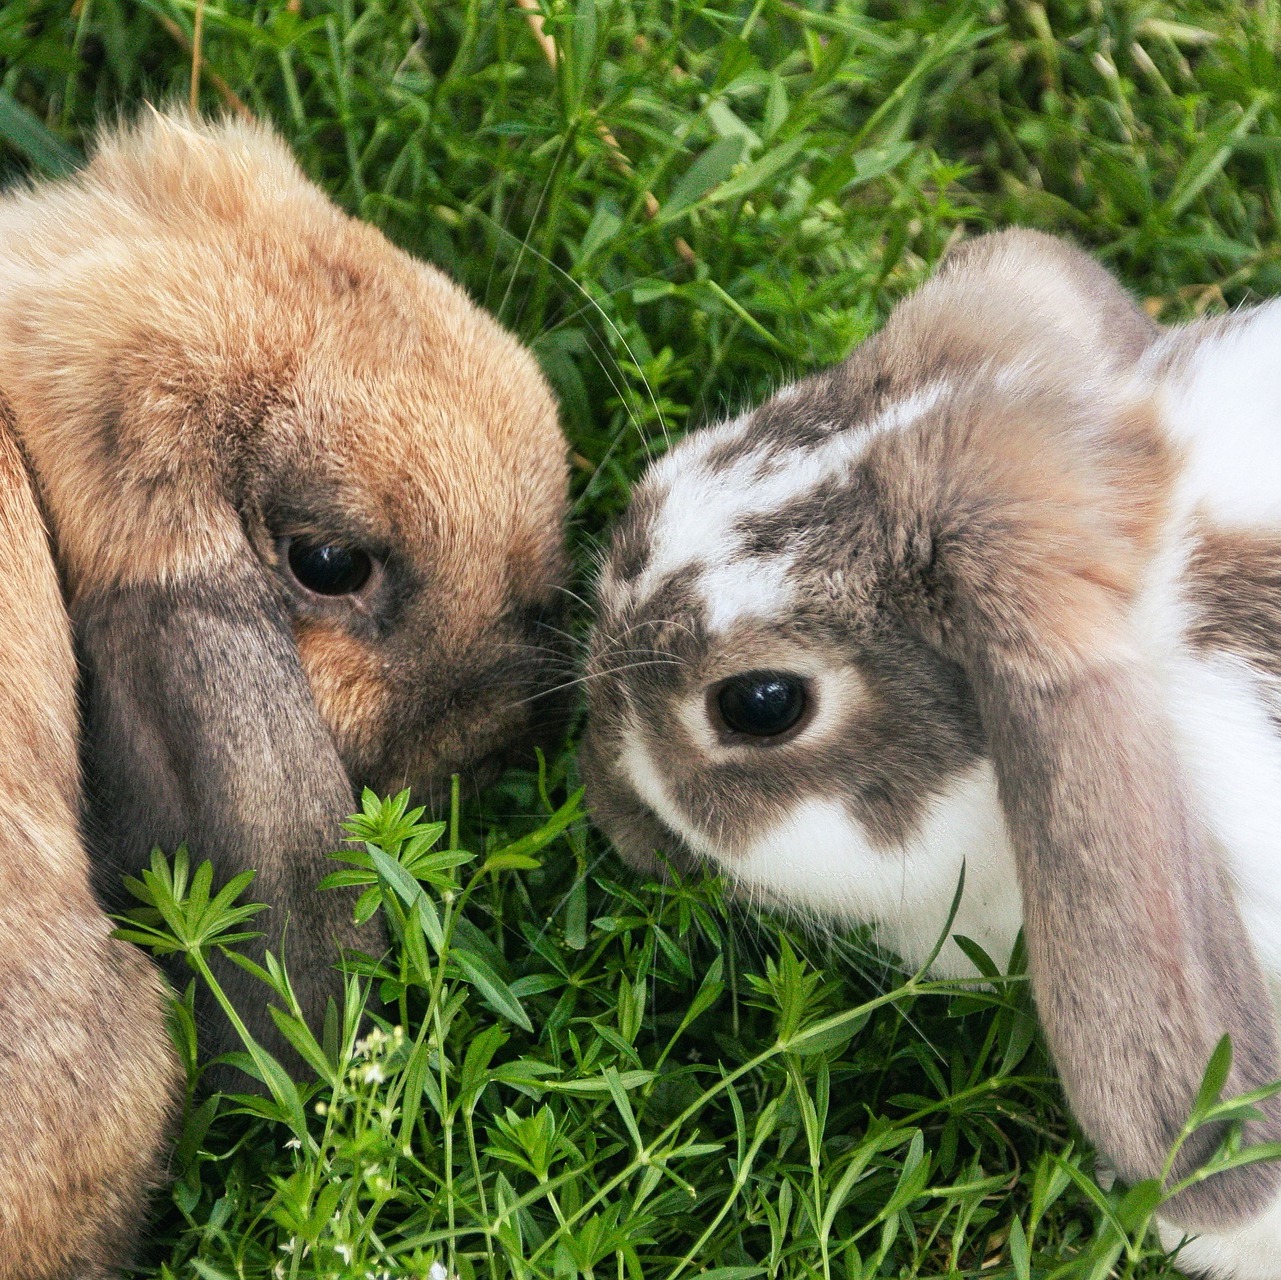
x,y
760,704
328,568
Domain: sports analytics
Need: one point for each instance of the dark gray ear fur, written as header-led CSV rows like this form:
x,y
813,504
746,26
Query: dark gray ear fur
x,y
200,728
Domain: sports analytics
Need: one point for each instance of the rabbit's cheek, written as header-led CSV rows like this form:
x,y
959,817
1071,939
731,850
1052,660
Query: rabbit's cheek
x,y
643,840
467,718
348,686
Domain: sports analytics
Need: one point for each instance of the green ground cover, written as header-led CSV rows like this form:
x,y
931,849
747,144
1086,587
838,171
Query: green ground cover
x,y
581,1074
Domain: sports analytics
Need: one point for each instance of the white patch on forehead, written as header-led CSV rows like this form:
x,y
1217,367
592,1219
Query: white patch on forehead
x,y
704,506
755,588
820,858
692,451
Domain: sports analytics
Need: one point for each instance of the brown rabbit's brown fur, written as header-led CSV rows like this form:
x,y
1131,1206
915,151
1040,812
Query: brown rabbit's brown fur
x,y
205,366
86,1077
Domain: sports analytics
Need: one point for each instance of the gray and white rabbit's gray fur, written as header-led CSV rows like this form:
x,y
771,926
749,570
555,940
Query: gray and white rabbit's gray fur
x,y
1012,573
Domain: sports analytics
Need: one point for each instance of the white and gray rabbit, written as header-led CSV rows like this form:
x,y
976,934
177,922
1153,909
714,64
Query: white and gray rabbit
x,y
1003,590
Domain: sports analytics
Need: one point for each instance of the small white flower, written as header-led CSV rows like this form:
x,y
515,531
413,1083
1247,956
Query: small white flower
x,y
343,1251
372,1043
293,1144
437,1272
372,1073
289,1245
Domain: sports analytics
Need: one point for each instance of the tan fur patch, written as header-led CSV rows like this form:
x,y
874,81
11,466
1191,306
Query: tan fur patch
x,y
349,690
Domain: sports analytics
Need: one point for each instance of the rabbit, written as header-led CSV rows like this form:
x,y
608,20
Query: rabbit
x,y
1002,592
88,1076
305,502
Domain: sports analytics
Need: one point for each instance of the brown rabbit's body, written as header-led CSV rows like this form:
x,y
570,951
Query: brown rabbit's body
x,y
86,1076
302,512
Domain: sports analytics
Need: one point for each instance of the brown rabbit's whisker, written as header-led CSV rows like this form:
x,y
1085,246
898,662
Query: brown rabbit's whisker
x,y
578,642
560,905
594,675
525,245
549,655
576,598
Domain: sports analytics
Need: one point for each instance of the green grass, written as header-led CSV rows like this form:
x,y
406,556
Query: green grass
x,y
594,1076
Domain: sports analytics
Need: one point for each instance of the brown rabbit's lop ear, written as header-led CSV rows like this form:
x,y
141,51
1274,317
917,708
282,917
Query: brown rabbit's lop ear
x,y
200,727
1020,550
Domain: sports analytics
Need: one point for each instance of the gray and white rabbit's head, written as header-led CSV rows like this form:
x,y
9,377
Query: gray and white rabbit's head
x,y
899,597
790,604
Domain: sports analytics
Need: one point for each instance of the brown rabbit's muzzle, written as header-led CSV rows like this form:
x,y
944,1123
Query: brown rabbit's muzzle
x,y
502,700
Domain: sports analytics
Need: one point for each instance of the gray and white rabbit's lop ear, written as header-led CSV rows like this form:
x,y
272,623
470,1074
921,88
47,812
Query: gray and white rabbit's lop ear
x,y
1021,533
1139,957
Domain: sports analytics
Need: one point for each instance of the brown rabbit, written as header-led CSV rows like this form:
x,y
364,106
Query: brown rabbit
x,y
305,502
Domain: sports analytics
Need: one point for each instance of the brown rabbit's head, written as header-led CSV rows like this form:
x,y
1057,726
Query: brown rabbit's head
x,y
307,502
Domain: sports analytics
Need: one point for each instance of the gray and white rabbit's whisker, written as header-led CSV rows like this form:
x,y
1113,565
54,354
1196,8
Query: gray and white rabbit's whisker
x,y
653,625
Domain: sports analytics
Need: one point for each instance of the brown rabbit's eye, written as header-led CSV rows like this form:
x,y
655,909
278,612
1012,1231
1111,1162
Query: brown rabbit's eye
x,y
329,569
761,704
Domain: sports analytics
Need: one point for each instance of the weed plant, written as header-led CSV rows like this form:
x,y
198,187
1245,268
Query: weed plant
x,y
564,1071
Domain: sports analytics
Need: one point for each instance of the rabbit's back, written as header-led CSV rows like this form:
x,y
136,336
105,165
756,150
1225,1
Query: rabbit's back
x,y
1212,609
86,1074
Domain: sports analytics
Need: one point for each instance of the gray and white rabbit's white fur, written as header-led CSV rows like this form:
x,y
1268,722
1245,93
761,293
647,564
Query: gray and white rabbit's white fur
x,y
1012,572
